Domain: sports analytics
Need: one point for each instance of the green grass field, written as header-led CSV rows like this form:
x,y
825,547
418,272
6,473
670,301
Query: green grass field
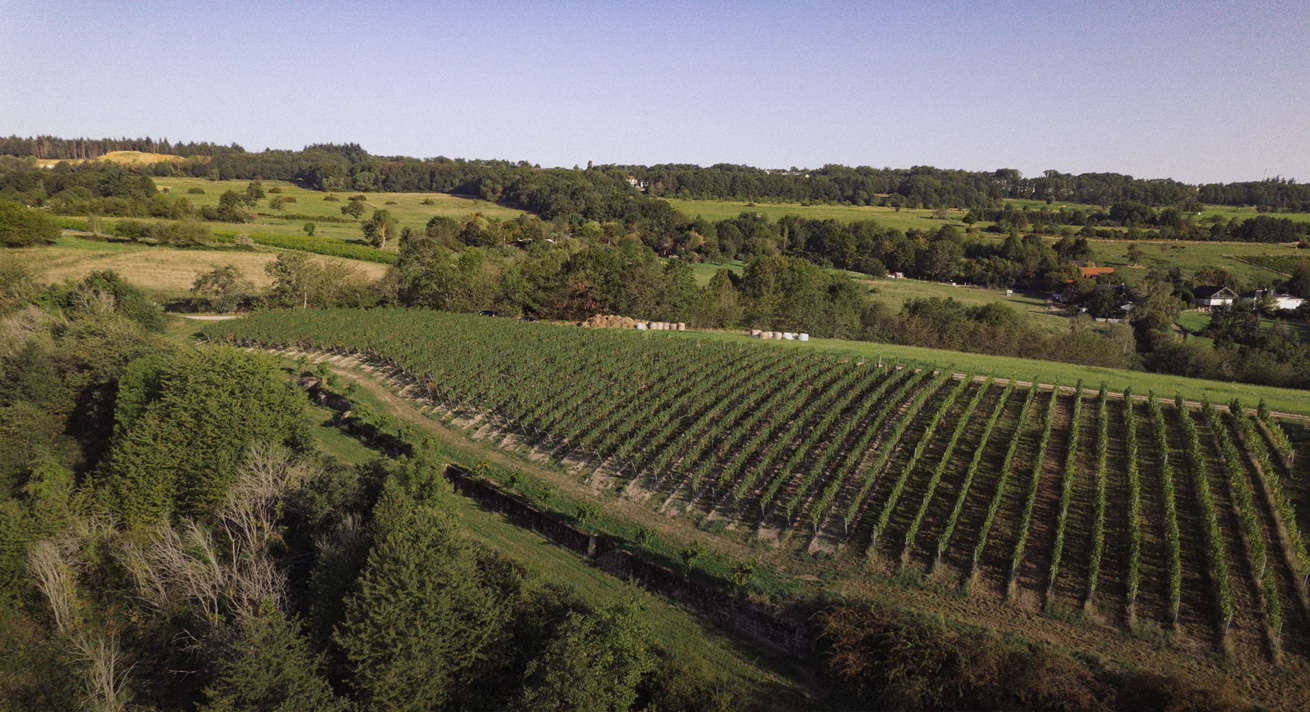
x,y
408,208
904,219
1190,257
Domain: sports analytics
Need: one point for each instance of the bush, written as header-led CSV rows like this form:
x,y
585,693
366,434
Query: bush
x,y
20,227
195,191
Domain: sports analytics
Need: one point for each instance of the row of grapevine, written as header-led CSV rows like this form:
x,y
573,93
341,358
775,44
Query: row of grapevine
x,y
1214,538
809,437
1252,533
1068,477
837,440
1276,434
937,471
995,505
721,429
944,539
898,485
1030,499
1133,477
1173,539
1281,498
840,390
817,432
847,468
701,411
742,427
1098,512
871,473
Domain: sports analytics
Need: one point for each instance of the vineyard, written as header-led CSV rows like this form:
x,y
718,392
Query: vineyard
x,y
1187,518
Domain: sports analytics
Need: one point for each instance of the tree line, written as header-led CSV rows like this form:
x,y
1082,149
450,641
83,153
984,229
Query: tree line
x,y
350,167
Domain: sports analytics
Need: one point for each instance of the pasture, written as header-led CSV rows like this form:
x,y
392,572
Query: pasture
x,y
409,209
905,218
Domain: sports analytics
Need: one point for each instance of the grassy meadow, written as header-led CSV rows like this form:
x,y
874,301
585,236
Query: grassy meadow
x,y
408,208
905,218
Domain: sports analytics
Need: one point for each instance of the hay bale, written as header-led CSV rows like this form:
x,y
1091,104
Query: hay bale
x,y
788,336
682,326
804,337
755,333
641,326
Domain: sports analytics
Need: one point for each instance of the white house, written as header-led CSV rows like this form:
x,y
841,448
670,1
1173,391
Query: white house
x,y
1210,297
1281,301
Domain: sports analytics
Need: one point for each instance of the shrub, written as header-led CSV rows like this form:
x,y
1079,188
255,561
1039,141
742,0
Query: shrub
x,y
20,227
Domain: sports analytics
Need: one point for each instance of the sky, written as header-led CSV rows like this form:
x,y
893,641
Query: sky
x,y
1197,91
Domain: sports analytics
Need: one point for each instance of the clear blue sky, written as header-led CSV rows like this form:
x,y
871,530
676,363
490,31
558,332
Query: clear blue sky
x,y
1192,90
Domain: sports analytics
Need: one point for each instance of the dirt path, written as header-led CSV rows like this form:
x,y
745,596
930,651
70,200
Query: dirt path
x,y
207,317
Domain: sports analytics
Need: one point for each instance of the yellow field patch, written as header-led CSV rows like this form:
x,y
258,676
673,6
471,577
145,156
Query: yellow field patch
x,y
158,269
132,158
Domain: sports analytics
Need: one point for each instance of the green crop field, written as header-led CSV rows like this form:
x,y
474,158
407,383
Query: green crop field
x,y
904,219
820,448
408,208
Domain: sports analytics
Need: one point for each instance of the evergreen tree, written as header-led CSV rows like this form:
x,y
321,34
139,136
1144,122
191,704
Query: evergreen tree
x,y
597,663
422,618
266,664
180,452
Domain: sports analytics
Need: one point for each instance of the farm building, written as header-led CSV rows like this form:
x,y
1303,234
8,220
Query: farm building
x,y
1281,301
1209,297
